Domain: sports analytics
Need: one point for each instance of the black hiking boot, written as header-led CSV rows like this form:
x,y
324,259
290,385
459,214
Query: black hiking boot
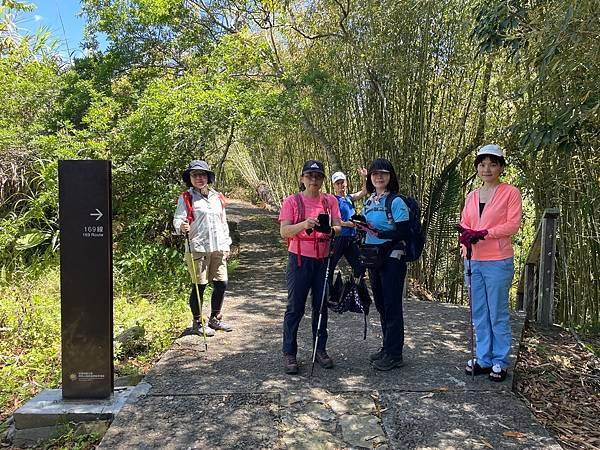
x,y
197,329
377,355
324,359
290,364
387,362
218,324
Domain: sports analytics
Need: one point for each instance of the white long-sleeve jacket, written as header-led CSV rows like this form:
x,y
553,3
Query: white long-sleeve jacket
x,y
209,231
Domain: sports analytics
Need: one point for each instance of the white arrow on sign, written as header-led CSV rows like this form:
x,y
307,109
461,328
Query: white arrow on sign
x,y
98,214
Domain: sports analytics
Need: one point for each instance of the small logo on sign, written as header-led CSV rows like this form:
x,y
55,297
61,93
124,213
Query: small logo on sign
x,y
73,377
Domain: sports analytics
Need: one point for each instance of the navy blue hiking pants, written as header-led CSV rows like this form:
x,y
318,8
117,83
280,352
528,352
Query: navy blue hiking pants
x,y
310,276
387,284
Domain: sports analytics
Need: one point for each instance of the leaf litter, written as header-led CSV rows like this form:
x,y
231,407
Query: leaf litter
x,y
559,379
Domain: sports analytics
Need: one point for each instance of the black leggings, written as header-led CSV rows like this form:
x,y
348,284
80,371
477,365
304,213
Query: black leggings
x,y
216,301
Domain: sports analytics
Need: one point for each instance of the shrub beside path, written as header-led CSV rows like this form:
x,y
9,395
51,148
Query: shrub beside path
x,y
236,395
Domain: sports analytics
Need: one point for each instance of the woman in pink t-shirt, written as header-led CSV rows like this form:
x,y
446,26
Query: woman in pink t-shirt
x,y
308,220
492,214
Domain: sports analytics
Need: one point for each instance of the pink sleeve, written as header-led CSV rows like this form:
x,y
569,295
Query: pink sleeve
x,y
513,217
335,207
287,210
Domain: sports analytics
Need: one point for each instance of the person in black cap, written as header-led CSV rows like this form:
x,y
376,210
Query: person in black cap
x,y
200,214
308,220
387,280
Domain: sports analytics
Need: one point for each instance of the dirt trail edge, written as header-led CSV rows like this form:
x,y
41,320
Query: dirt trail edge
x,y
236,396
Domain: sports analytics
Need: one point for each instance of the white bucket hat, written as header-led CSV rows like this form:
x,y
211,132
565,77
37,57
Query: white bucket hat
x,y
338,176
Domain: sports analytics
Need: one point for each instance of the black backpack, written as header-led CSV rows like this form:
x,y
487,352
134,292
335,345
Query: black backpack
x,y
413,247
351,295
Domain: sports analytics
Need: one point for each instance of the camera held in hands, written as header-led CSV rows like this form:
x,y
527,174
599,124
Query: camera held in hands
x,y
324,225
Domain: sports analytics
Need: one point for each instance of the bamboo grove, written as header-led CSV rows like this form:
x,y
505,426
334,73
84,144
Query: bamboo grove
x,y
255,87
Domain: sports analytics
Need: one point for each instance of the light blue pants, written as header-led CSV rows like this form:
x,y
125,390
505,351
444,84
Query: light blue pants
x,y
490,285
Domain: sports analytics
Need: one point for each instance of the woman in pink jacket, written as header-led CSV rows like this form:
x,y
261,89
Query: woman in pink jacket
x,y
492,214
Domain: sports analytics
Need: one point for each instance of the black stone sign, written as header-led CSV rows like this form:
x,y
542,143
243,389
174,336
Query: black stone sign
x,y
86,278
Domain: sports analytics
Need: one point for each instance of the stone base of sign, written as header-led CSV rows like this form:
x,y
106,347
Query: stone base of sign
x,y
47,414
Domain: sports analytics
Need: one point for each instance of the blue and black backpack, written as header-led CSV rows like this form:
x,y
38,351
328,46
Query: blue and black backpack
x,y
413,247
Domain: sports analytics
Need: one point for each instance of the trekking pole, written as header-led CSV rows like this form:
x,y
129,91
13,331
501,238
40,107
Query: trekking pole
x,y
469,250
320,314
200,299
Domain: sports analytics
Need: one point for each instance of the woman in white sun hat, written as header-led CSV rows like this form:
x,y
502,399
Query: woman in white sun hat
x,y
490,217
200,215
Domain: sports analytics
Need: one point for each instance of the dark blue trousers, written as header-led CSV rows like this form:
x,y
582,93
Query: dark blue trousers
x,y
310,276
346,246
387,284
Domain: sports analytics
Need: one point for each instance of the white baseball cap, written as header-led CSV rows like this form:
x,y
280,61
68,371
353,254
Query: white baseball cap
x,y
490,149
338,176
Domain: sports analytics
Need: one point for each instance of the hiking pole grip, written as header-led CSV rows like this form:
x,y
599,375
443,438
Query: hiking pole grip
x,y
469,254
470,294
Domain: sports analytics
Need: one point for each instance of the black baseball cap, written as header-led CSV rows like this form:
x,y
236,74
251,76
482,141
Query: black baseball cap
x,y
312,165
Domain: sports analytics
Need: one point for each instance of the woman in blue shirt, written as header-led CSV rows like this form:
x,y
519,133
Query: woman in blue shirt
x,y
345,244
387,281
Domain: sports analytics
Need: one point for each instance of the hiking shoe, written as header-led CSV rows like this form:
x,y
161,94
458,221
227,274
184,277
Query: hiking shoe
x,y
497,373
290,364
387,362
324,359
478,370
217,324
377,355
197,329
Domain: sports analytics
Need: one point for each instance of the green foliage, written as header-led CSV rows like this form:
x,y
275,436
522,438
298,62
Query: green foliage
x,y
30,344
260,87
549,91
138,263
30,231
70,437
496,24
149,33
29,83
30,331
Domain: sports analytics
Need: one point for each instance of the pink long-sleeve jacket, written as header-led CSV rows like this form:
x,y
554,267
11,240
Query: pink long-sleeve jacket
x,y
501,217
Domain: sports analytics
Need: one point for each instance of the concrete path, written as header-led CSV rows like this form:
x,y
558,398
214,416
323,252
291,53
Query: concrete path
x,y
237,396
